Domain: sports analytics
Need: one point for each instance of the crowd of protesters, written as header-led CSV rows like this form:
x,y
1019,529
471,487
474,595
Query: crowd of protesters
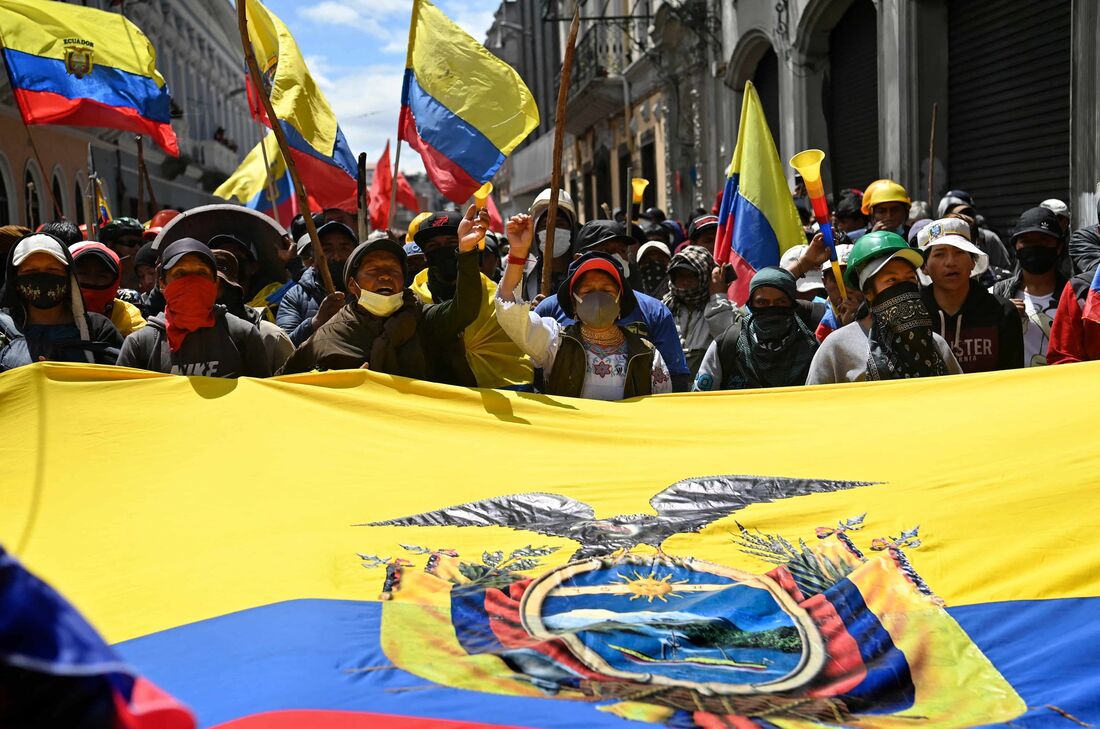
x,y
634,309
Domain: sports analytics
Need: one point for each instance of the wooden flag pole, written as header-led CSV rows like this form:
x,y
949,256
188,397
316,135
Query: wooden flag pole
x,y
932,157
559,136
143,169
361,196
141,178
269,184
393,184
319,260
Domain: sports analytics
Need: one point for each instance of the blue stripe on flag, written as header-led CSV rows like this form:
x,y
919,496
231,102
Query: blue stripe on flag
x,y
753,236
104,84
449,134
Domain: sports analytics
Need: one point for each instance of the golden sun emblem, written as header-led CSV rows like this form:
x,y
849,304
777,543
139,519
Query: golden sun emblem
x,y
650,588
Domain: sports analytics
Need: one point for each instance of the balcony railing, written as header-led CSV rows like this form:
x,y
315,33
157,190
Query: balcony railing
x,y
599,54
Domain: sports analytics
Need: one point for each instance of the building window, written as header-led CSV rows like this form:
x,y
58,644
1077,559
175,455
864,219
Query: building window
x,y
59,197
5,200
33,188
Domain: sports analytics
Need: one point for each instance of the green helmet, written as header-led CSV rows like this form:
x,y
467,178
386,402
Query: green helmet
x,y
874,246
119,227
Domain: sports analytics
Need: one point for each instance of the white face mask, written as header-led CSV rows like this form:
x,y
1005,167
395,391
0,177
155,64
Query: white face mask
x,y
380,304
624,263
562,238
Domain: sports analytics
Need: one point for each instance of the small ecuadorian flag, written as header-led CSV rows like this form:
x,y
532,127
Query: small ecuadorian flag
x,y
79,66
757,220
462,108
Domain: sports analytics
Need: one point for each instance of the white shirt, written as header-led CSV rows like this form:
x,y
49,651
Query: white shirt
x,y
540,339
1040,316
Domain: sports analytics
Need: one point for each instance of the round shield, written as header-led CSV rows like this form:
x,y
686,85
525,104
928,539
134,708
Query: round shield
x,y
690,624
205,222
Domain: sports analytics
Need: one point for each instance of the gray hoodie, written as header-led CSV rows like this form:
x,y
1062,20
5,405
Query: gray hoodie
x,y
843,355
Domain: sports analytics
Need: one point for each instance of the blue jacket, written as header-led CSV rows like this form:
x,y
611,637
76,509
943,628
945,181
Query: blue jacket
x,y
296,310
660,329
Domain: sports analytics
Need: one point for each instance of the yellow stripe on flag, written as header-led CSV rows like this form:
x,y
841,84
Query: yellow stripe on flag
x,y
250,177
45,28
471,82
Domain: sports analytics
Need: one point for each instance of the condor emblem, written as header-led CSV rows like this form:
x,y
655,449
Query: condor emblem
x,y
79,55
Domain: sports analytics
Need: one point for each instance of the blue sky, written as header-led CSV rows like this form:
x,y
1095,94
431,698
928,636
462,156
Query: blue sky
x,y
356,51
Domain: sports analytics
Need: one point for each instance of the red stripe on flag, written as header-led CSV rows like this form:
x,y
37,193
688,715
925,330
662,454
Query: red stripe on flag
x,y
327,185
739,290
453,181
44,107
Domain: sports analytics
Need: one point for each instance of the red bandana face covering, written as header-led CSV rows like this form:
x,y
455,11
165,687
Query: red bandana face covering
x,y
189,306
98,300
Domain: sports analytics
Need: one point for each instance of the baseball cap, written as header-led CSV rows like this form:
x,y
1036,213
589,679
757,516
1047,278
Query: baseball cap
x,y
953,232
370,245
39,243
146,255
912,255
412,249
809,281
228,267
440,223
185,246
336,225
1037,220
595,261
952,199
916,229
653,245
1056,206
224,239
595,232
701,224
849,207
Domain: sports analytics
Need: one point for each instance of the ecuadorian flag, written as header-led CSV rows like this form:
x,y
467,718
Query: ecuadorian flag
x,y
84,67
399,577
248,184
325,162
462,108
757,220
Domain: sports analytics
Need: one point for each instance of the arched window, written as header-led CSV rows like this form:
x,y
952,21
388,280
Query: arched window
x,y
59,197
78,202
32,186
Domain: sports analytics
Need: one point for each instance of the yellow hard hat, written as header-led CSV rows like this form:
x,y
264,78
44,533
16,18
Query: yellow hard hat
x,y
883,191
415,225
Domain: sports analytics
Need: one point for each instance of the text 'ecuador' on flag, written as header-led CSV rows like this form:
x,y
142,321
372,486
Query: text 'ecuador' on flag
x,y
462,108
568,563
757,219
248,184
79,66
322,157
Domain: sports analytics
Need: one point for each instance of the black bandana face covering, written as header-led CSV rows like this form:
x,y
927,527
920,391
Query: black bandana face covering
x,y
901,340
775,348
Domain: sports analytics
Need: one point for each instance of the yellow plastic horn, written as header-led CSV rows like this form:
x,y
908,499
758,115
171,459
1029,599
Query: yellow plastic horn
x,y
808,164
415,225
638,186
481,197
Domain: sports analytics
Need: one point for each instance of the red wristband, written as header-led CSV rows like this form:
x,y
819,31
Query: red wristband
x,y
513,261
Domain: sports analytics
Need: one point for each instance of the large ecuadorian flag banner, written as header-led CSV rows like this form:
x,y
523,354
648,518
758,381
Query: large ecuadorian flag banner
x,y
462,108
422,555
73,65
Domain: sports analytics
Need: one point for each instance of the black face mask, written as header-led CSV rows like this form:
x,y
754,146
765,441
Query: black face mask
x,y
443,263
231,298
43,290
1037,259
772,323
336,270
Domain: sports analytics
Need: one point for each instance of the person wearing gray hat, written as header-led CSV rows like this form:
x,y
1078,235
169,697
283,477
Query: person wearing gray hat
x,y
306,306
194,335
384,327
43,315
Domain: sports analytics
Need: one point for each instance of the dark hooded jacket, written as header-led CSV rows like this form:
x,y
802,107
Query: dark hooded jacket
x,y
986,334
231,348
299,305
1084,246
96,340
416,341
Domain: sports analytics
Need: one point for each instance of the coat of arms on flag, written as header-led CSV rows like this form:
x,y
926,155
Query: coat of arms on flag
x,y
829,634
79,55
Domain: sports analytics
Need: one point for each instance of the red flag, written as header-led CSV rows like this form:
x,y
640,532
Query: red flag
x,y
381,186
496,223
406,198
